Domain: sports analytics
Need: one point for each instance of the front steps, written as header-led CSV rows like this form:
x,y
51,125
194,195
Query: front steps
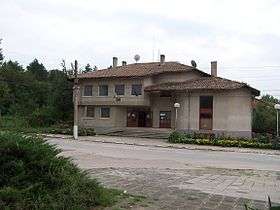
x,y
154,133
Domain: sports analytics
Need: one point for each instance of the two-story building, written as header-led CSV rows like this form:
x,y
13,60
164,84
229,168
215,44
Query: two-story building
x,y
144,94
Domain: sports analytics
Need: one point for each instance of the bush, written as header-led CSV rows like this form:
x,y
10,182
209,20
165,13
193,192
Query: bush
x,y
33,176
44,116
263,142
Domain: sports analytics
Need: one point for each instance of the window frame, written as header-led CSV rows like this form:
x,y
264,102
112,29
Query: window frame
x,y
123,89
93,111
139,84
100,89
85,91
101,112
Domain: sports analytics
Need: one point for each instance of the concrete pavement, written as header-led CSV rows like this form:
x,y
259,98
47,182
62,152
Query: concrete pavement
x,y
212,179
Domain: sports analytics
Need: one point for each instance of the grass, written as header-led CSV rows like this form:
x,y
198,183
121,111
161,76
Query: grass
x,y
21,125
34,176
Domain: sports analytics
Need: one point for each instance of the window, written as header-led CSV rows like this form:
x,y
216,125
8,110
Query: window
x,y
88,90
136,89
90,111
206,113
119,90
103,90
105,112
206,102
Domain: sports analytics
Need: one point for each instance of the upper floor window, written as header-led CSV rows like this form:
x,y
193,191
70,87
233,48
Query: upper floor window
x,y
103,90
90,111
119,90
88,90
136,89
105,112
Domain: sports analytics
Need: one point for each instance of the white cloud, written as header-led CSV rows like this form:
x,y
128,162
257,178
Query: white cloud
x,y
234,32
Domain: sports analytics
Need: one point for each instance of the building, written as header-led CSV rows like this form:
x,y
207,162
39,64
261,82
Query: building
x,y
144,94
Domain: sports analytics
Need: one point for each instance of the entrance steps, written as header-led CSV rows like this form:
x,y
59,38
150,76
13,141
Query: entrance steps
x,y
154,133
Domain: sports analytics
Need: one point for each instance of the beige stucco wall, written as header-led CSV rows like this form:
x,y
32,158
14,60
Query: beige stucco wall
x,y
117,118
126,100
232,112
231,109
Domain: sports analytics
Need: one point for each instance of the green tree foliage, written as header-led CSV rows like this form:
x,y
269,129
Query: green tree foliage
x,y
40,96
88,68
1,54
264,115
38,70
34,176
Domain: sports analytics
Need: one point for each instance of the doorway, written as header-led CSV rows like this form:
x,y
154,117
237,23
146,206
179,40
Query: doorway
x,y
165,119
139,118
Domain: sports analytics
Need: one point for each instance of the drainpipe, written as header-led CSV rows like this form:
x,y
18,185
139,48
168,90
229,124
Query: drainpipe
x,y
189,111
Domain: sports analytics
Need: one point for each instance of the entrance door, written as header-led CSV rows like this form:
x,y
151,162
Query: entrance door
x,y
206,113
139,118
165,119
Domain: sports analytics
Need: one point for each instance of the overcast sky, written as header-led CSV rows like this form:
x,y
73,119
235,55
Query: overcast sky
x,y
242,35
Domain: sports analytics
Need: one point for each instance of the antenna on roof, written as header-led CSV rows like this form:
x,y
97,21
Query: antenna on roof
x,y
136,58
193,63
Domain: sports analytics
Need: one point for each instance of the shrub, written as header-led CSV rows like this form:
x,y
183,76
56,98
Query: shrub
x,y
33,176
207,139
44,116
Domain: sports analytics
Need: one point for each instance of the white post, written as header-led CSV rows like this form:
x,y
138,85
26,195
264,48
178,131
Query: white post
x,y
176,117
277,119
76,95
176,106
277,107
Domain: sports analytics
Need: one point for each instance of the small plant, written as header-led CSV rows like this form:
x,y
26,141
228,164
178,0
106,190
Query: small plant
x,y
210,139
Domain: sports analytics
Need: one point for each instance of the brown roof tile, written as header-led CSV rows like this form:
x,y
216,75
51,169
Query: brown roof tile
x,y
140,70
204,83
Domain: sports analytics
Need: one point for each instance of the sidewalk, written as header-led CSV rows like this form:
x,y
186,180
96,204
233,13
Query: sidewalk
x,y
161,143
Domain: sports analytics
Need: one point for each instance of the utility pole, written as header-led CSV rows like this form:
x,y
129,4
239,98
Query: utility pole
x,y
277,107
75,95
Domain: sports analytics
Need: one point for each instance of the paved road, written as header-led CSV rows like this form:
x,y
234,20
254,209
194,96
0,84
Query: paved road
x,y
115,155
181,178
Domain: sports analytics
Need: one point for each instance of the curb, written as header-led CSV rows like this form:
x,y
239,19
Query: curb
x,y
171,146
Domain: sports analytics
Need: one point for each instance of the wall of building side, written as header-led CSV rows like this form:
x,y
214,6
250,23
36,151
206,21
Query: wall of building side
x,y
127,99
175,77
117,118
161,104
232,112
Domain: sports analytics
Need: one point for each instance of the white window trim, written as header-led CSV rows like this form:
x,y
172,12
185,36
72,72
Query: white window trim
x,y
123,90
141,89
105,118
87,117
99,92
84,91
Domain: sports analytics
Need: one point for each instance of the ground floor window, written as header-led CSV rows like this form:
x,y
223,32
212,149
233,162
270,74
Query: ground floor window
x,y
90,111
206,112
105,112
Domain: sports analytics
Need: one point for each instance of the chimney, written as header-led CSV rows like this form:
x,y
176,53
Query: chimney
x,y
115,62
123,63
214,68
162,58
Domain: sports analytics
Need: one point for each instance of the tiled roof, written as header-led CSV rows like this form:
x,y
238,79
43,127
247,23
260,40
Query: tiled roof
x,y
204,83
140,70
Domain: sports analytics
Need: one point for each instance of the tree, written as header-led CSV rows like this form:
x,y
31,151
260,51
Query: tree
x,y
264,115
88,68
38,70
1,54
